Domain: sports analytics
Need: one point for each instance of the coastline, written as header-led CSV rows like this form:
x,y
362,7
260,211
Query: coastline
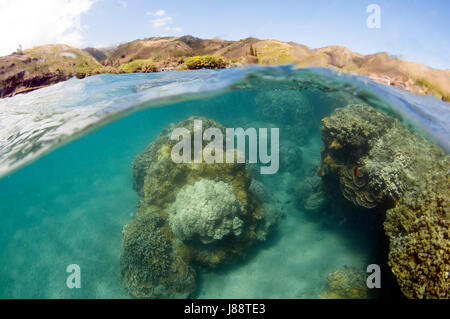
x,y
28,70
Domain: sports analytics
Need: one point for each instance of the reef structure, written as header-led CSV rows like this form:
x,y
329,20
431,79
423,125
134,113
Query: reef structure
x,y
346,283
191,216
196,212
309,193
149,267
378,164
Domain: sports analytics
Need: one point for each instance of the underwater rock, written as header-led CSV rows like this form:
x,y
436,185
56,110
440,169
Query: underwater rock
x,y
140,166
315,202
290,152
206,210
291,156
290,110
346,283
149,268
377,162
419,232
271,209
309,193
260,191
353,137
208,216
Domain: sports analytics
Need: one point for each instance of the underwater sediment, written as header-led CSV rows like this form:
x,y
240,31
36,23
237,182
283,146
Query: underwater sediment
x,y
190,216
380,165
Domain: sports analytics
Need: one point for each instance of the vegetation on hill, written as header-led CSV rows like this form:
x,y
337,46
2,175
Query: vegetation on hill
x,y
144,66
205,62
433,89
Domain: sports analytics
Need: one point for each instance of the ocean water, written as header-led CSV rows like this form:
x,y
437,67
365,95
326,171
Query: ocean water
x,y
66,187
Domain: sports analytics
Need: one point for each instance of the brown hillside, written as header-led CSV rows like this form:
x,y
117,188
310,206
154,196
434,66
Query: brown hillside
x,y
42,66
45,65
381,67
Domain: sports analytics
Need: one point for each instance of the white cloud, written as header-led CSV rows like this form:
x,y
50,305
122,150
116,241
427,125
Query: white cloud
x,y
123,3
31,23
159,13
162,21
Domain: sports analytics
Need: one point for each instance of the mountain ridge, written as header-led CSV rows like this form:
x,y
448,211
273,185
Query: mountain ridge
x,y
170,53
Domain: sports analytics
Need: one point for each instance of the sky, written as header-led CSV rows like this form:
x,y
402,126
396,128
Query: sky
x,y
410,29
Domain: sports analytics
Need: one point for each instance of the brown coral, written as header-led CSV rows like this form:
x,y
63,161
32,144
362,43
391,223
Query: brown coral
x,y
346,283
404,173
158,180
419,232
149,268
349,135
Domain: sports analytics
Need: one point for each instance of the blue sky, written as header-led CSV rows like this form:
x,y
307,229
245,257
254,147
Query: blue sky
x,y
414,30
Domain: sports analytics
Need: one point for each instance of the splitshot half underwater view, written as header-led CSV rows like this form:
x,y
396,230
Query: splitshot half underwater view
x,y
359,179
225,159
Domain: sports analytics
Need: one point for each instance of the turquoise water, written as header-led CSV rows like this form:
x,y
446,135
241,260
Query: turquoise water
x,y
67,189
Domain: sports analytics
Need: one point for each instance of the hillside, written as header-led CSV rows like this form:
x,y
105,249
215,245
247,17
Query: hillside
x,y
381,67
42,66
170,53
